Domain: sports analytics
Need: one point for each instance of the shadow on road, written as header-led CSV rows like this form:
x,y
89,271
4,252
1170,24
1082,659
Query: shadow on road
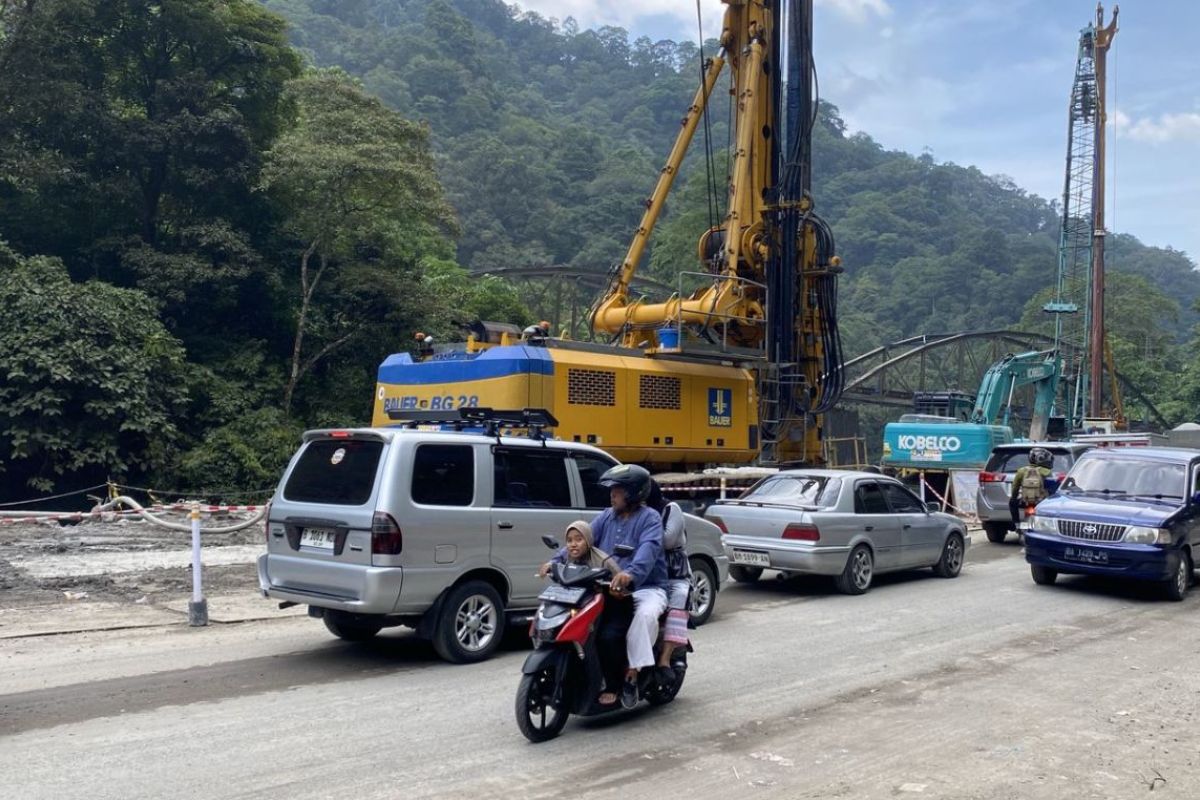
x,y
328,659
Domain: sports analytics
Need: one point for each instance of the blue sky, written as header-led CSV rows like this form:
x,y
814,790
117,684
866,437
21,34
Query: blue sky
x,y
986,82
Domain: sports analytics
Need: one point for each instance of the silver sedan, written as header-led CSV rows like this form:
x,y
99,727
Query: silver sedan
x,y
851,525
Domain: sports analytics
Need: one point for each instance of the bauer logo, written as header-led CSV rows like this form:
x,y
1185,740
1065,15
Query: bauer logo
x,y
720,408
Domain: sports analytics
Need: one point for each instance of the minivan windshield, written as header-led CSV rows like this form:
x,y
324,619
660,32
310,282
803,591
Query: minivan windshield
x,y
1131,477
813,491
336,471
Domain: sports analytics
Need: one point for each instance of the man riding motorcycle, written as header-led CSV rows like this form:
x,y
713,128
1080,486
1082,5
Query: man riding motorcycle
x,y
628,521
1029,484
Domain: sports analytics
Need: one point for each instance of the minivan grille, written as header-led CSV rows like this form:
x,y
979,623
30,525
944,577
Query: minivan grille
x,y
591,387
658,391
1093,531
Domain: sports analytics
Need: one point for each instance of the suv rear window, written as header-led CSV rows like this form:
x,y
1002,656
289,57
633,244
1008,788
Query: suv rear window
x,y
1012,460
335,471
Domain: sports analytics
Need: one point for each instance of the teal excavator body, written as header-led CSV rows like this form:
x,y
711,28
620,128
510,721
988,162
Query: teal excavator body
x,y
927,442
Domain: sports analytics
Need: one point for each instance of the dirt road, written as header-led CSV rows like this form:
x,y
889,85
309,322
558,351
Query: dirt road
x,y
982,687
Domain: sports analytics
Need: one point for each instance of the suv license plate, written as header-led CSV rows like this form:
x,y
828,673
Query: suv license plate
x,y
320,538
752,558
1085,555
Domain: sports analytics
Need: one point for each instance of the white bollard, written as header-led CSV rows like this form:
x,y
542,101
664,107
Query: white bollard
x,y
198,607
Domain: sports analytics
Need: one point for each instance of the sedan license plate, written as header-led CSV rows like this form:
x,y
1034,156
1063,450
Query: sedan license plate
x,y
752,558
1085,555
320,538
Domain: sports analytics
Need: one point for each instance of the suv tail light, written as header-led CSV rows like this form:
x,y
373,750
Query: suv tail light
x,y
802,533
991,477
720,523
386,539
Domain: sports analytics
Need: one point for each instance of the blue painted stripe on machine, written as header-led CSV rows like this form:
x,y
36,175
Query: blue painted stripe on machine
x,y
498,362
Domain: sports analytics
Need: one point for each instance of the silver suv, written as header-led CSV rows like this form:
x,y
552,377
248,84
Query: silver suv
x,y
995,482
437,530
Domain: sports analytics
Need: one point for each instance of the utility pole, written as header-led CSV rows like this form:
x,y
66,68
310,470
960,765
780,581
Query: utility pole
x,y
1102,41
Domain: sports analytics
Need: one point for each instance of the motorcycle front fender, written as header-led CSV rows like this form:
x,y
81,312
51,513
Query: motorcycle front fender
x,y
540,659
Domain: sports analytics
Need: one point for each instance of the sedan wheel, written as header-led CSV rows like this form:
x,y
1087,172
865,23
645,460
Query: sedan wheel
x,y
860,568
950,564
743,574
704,591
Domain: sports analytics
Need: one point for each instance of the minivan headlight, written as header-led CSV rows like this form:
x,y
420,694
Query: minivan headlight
x,y
1138,534
1045,524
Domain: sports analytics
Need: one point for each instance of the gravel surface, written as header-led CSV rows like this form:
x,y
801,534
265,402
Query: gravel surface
x,y
984,687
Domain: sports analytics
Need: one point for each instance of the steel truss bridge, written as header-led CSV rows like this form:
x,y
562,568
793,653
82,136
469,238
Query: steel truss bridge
x,y
886,376
891,374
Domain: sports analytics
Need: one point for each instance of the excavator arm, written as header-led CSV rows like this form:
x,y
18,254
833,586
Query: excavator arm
x,y
1040,369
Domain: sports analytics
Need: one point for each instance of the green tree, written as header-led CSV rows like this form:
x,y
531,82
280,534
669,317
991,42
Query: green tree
x,y
361,200
93,383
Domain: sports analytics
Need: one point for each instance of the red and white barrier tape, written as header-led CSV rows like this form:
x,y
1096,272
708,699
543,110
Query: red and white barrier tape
x,y
946,503
79,516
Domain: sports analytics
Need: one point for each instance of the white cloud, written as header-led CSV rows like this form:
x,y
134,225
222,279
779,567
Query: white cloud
x,y
593,13
1184,126
860,10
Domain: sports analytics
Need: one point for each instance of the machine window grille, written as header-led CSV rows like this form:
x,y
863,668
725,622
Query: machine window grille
x,y
658,391
591,387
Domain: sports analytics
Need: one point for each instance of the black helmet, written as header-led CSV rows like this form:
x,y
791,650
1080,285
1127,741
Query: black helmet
x,y
1041,457
633,479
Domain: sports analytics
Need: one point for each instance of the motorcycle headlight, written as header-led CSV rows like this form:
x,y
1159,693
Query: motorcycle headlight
x,y
1138,534
1045,524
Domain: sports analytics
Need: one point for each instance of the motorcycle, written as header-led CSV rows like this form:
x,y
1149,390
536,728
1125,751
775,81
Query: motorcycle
x,y
1029,509
564,674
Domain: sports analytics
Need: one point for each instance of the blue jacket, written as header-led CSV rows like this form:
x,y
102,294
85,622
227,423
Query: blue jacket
x,y
641,530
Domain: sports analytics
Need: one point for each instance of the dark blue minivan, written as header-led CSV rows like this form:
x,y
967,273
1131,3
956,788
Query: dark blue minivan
x,y
1126,512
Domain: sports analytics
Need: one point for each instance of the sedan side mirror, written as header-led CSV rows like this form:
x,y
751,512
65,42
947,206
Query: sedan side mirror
x,y
932,507
550,542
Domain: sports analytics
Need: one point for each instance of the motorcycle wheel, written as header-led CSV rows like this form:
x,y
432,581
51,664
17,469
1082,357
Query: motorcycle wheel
x,y
661,694
537,719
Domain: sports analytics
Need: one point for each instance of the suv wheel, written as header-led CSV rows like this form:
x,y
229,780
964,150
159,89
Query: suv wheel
x,y
348,628
704,591
1177,586
1043,576
996,532
471,623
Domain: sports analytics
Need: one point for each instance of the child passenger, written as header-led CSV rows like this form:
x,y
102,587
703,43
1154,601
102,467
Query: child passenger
x,y
679,574
580,548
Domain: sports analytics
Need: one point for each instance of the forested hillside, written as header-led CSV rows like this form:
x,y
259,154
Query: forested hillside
x,y
252,203
582,120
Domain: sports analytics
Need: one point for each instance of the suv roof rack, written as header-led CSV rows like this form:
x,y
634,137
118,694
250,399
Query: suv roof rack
x,y
537,420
